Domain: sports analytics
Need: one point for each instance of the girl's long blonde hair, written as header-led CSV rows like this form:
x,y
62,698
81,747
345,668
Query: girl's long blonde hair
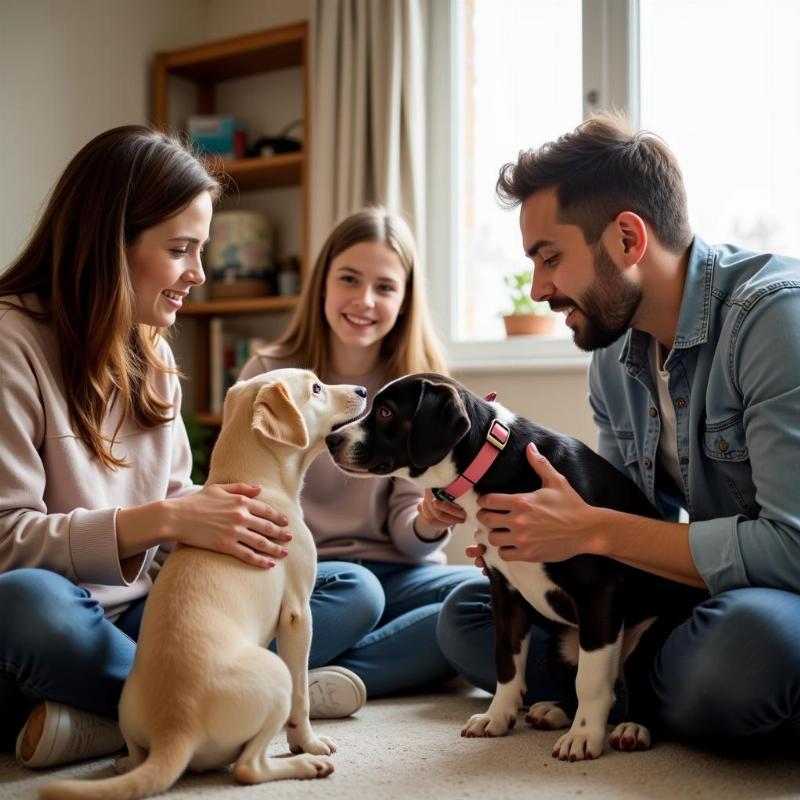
x,y
411,345
121,183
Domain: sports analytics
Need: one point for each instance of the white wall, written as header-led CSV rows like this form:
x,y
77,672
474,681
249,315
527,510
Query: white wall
x,y
71,69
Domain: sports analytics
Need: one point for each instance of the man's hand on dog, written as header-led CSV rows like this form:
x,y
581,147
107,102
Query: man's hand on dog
x,y
549,524
229,519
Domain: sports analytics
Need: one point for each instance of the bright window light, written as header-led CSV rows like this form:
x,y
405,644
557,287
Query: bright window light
x,y
727,101
520,86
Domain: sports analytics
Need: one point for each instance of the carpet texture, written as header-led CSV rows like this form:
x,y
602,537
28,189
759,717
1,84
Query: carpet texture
x,y
410,749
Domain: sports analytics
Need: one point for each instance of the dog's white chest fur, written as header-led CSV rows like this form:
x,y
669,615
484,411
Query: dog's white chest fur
x,y
528,578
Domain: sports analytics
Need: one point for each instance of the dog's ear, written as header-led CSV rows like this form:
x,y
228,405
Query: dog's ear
x,y
276,417
439,422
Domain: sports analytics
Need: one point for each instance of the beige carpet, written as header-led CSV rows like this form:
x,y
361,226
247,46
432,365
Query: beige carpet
x,y
410,749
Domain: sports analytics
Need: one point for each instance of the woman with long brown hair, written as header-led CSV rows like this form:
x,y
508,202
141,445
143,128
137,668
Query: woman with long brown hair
x,y
381,576
95,462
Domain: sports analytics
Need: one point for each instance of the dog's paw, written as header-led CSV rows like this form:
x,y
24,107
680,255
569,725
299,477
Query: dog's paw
x,y
547,716
488,725
579,745
629,736
260,768
311,766
315,745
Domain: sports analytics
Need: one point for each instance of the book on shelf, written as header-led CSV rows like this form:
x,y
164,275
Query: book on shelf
x,y
229,351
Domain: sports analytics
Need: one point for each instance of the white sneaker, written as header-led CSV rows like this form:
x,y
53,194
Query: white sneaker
x,y
334,692
70,734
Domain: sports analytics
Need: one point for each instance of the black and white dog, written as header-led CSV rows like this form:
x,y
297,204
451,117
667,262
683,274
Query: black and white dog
x,y
602,614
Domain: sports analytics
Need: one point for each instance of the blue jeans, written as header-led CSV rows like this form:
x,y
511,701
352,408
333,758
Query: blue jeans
x,y
55,643
731,670
382,625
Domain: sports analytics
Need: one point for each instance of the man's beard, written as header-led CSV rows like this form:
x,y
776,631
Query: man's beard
x,y
608,305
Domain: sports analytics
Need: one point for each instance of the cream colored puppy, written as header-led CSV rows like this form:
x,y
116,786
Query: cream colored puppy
x,y
204,692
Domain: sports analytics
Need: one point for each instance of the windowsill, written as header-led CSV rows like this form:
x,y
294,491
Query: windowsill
x,y
579,365
518,354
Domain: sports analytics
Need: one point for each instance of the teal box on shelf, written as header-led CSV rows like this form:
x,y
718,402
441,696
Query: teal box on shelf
x,y
215,133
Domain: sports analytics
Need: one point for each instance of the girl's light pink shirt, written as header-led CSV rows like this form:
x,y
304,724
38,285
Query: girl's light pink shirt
x,y
58,504
367,519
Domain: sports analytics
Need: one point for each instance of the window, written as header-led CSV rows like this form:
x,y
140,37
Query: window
x,y
519,82
730,112
719,80
504,75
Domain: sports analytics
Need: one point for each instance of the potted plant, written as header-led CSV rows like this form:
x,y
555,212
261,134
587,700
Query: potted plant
x,y
527,318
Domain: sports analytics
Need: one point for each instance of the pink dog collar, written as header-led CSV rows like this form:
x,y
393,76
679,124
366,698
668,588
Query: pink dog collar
x,y
496,440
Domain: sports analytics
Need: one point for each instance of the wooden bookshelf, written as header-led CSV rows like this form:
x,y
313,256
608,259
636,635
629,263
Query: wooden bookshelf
x,y
207,65
270,172
211,420
237,57
238,305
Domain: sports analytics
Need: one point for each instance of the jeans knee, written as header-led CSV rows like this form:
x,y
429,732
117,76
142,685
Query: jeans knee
x,y
464,610
356,588
38,608
735,663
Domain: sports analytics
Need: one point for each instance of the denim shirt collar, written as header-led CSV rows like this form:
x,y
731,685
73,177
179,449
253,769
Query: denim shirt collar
x,y
694,317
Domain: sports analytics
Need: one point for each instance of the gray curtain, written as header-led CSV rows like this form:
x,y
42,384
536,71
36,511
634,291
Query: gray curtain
x,y
368,111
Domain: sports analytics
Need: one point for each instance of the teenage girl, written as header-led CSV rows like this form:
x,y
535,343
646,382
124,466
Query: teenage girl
x,y
382,575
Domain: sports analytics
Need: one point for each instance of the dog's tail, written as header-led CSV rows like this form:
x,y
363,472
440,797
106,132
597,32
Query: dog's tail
x,y
163,766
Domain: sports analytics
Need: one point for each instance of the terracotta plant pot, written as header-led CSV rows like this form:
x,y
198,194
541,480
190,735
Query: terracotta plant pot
x,y
529,325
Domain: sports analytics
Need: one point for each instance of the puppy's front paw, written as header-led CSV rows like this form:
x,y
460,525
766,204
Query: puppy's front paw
x,y
629,736
314,766
547,716
579,745
314,745
488,725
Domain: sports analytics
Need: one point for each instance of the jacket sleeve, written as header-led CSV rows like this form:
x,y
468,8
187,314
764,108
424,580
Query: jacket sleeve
x,y
764,366
81,544
403,500
607,445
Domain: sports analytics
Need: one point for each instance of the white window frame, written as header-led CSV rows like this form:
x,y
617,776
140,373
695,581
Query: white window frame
x,y
610,80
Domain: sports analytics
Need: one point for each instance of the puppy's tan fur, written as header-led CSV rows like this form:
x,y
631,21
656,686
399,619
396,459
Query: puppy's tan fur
x,y
204,691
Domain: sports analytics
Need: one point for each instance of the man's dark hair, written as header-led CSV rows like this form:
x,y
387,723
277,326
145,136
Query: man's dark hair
x,y
599,170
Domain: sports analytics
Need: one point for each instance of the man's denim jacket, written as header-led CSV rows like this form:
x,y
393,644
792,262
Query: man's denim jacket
x,y
734,379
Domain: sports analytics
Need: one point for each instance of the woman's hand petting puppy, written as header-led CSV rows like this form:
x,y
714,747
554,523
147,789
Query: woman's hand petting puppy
x,y
226,518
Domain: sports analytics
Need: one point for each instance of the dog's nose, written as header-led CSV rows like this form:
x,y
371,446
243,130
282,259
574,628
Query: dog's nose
x,y
333,440
360,391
